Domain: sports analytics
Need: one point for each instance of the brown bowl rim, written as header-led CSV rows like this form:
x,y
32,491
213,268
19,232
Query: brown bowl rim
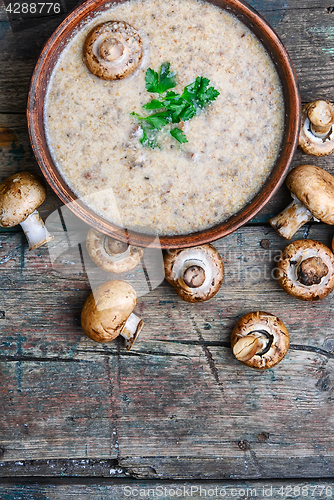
x,y
35,118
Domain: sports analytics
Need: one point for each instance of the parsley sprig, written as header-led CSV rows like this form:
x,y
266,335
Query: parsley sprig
x,y
170,107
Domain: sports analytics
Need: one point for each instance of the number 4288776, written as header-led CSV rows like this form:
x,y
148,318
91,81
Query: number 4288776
x,y
33,8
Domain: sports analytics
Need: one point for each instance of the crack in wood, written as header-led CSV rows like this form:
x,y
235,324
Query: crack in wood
x,y
114,401
209,357
317,350
199,343
36,359
256,462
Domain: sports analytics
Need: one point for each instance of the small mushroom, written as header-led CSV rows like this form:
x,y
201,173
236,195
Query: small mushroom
x,y
20,195
196,273
110,254
260,340
317,133
312,190
113,50
306,270
108,312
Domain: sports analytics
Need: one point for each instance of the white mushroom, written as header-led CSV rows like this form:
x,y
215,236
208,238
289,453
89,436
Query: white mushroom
x,y
306,270
110,254
20,196
108,312
260,340
312,189
196,273
113,50
317,132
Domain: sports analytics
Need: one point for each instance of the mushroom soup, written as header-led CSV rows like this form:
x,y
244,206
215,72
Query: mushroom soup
x,y
176,188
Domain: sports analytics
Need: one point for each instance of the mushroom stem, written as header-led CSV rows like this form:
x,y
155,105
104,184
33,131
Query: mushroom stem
x,y
255,342
311,271
246,347
111,50
131,330
116,250
321,118
35,230
194,276
291,219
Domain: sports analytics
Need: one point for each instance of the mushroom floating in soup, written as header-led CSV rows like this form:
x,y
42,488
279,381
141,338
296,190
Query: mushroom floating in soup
x,y
174,188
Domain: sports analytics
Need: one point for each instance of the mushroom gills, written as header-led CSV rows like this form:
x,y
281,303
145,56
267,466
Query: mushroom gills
x,y
309,269
317,134
196,273
116,250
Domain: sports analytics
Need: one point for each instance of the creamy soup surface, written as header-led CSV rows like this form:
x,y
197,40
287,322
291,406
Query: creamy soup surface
x,y
177,189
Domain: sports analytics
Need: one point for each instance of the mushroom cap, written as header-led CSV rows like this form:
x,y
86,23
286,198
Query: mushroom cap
x,y
287,269
107,309
20,195
314,187
310,143
113,50
271,329
97,247
177,261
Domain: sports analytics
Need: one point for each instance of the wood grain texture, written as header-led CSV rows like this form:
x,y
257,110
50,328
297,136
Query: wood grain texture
x,y
116,490
178,405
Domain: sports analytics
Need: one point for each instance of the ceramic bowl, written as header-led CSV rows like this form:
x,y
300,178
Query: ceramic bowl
x,y
40,78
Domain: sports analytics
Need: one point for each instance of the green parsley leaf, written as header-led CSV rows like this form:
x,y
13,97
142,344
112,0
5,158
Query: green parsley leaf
x,y
152,80
178,135
154,104
198,93
188,113
157,121
172,107
167,78
162,81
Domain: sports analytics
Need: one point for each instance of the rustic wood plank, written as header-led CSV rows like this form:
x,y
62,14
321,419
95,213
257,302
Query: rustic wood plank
x,y
178,405
305,29
116,490
179,399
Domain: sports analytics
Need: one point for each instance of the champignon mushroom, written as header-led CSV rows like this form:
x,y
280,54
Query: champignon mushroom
x,y
196,273
260,340
317,133
20,195
113,50
110,254
108,312
312,189
306,270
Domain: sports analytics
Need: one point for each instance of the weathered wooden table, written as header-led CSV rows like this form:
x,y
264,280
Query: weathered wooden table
x,y
178,409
